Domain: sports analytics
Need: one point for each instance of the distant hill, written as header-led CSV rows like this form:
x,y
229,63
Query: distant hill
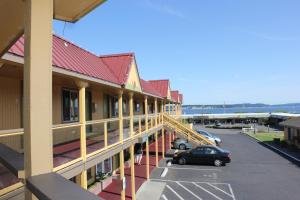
x,y
245,105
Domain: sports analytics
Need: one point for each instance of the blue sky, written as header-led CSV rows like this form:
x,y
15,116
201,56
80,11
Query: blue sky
x,y
213,51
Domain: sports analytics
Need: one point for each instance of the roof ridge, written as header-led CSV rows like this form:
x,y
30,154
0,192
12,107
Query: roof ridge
x,y
117,55
160,80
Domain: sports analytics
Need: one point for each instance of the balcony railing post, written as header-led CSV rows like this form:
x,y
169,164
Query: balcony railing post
x,y
105,135
155,111
120,111
146,112
82,112
122,173
162,111
140,125
131,113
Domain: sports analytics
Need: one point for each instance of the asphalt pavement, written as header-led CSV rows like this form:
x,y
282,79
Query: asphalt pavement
x,y
255,172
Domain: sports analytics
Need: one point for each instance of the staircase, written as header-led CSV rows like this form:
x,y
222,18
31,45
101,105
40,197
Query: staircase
x,y
185,131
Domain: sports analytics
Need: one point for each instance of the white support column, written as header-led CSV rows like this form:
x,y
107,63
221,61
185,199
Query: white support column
x,y
38,149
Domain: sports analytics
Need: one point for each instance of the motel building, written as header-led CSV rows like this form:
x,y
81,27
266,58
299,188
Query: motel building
x,y
292,131
70,120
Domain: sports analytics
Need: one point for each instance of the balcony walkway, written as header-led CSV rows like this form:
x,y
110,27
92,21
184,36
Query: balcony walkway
x,y
113,191
64,153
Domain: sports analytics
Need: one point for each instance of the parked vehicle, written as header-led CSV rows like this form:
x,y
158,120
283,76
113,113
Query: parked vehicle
x,y
210,136
182,144
203,155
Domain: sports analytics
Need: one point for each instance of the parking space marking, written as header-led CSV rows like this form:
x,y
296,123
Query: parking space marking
x,y
201,185
230,188
188,190
198,186
164,197
221,190
174,192
164,173
196,169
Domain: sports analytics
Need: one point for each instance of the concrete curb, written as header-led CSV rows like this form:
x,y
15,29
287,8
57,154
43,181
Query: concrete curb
x,y
284,154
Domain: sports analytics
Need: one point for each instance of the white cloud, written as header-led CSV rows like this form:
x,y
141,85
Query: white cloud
x,y
161,6
266,36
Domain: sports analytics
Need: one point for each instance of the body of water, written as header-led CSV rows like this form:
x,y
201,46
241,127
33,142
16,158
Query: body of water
x,y
266,109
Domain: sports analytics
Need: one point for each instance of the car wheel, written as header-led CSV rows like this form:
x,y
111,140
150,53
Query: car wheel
x,y
218,163
182,147
181,161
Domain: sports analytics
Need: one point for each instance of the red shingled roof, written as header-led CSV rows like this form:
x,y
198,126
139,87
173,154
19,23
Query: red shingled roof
x,y
175,95
112,68
73,58
161,86
147,88
181,98
119,64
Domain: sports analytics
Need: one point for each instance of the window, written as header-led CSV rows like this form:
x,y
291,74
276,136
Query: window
x,y
105,166
298,135
89,174
210,151
70,105
289,134
198,151
137,107
124,107
115,107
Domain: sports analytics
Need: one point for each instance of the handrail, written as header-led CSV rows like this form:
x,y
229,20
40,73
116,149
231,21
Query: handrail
x,y
194,133
12,132
62,126
139,116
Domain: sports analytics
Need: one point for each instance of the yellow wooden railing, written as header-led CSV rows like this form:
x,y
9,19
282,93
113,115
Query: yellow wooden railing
x,y
140,128
187,131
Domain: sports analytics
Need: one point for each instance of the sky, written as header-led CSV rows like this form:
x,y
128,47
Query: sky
x,y
213,51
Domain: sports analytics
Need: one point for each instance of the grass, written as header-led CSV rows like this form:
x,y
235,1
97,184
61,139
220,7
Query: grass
x,y
265,136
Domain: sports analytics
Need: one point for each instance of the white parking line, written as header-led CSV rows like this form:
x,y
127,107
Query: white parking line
x,y
164,197
230,188
212,194
220,189
164,173
188,190
213,185
185,168
174,192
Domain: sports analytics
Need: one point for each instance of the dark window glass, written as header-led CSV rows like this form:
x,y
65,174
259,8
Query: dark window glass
x,y
198,151
89,174
70,105
66,105
289,134
137,107
115,107
210,151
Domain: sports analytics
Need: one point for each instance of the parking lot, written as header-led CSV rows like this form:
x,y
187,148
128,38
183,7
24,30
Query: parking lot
x,y
254,173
